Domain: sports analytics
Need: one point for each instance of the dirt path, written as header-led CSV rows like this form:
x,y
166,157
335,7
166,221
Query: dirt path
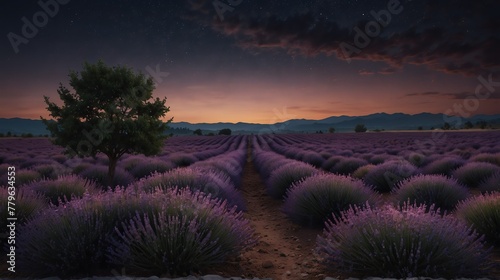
x,y
284,250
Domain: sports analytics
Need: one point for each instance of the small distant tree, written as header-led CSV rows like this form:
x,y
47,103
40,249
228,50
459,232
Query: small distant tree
x,y
9,134
481,124
446,126
210,134
331,130
420,128
360,128
468,125
197,132
111,111
225,131
2,135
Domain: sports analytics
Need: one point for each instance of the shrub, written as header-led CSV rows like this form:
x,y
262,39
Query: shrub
x,y
473,173
483,214
99,174
65,188
491,185
362,171
267,162
417,159
229,167
384,177
51,171
196,180
348,165
386,242
81,167
330,162
24,176
444,166
26,206
182,159
146,167
86,234
282,178
313,158
432,191
188,235
314,199
490,158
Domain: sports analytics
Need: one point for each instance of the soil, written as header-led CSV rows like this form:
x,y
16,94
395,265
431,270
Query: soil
x,y
284,250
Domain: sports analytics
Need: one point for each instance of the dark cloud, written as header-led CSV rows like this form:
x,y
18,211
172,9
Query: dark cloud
x,y
468,47
427,93
452,95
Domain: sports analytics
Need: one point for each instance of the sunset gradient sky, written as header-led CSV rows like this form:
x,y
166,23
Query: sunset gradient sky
x,y
265,61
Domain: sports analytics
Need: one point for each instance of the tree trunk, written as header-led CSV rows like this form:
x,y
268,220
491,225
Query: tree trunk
x,y
111,170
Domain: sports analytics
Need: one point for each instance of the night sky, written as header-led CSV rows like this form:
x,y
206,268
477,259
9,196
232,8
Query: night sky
x,y
261,61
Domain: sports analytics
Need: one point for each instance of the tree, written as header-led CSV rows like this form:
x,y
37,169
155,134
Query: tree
x,y
420,128
225,131
197,132
482,124
360,128
468,125
446,126
111,111
331,130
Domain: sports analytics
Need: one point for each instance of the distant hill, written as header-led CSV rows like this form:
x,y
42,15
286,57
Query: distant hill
x,y
381,121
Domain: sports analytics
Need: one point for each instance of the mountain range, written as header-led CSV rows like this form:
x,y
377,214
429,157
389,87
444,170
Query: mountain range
x,y
378,121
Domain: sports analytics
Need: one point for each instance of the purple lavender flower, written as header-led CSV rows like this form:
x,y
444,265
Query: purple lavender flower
x,y
385,242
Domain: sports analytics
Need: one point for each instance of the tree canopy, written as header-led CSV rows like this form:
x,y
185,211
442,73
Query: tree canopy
x,y
360,128
111,111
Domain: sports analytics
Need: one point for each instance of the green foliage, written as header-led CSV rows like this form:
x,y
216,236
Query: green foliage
x,y
225,131
483,214
197,132
360,128
27,205
109,112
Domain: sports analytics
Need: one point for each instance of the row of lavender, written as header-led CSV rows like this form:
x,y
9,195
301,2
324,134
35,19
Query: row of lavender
x,y
383,160
39,158
167,223
411,235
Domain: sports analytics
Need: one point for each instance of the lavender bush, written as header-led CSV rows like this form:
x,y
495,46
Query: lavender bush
x,y
282,178
99,174
314,199
27,205
184,237
384,177
483,214
361,172
491,184
24,176
437,191
51,171
84,236
473,173
208,182
146,167
64,188
182,159
444,166
490,158
348,165
313,158
386,242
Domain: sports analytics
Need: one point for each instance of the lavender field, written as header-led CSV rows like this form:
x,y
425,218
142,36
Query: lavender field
x,y
374,204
